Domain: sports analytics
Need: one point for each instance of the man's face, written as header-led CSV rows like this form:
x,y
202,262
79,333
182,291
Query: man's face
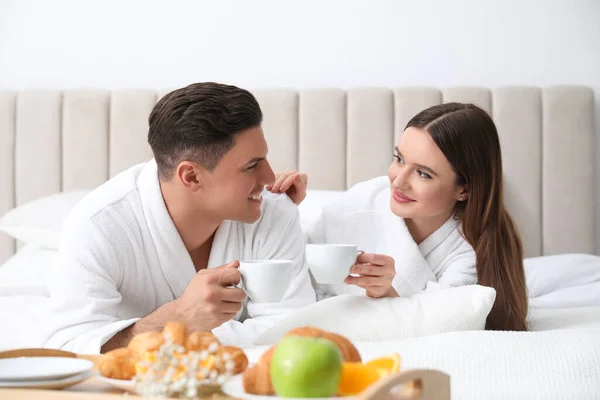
x,y
233,190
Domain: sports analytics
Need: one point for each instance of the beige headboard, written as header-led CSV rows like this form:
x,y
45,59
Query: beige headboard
x,y
60,140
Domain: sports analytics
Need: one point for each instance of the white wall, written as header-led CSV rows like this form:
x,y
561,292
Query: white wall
x,y
143,43
299,43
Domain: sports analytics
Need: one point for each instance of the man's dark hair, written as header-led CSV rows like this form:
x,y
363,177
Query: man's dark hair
x,y
199,123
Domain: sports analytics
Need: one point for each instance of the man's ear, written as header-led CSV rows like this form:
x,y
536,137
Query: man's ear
x,y
189,175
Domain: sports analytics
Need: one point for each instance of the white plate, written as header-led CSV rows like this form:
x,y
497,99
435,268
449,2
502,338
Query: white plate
x,y
234,387
41,368
126,385
49,383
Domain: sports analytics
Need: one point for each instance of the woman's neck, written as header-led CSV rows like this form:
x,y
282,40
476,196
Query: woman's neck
x,y
421,228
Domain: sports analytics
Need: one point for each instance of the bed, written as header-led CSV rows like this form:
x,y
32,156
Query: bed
x,y
55,146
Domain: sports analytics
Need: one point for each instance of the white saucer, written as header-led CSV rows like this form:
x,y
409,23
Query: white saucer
x,y
234,388
48,383
41,368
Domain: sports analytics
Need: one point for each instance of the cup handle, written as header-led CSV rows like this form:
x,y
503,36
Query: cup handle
x,y
358,253
240,285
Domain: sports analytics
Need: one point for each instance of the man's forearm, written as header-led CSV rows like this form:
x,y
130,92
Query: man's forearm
x,y
153,322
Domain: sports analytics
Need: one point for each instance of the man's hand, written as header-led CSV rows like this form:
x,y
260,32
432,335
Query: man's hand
x,y
376,272
209,299
292,183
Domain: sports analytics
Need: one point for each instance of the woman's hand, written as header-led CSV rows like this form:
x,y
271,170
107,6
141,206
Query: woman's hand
x,y
292,183
376,272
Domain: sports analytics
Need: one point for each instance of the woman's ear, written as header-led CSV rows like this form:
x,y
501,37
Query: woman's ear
x,y
189,175
463,193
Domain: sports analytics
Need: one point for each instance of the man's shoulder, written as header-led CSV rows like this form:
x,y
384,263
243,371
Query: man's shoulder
x,y
113,199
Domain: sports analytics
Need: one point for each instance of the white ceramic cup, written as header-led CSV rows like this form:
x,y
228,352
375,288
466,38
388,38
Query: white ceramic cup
x,y
330,263
266,281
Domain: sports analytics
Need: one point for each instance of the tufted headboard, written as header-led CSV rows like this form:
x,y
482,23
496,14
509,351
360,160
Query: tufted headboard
x,y
52,141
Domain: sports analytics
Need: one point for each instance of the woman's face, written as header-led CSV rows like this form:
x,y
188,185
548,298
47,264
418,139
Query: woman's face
x,y
423,184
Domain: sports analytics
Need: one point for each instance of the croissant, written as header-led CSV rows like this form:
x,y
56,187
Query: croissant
x,y
234,359
146,342
198,341
177,332
119,363
257,379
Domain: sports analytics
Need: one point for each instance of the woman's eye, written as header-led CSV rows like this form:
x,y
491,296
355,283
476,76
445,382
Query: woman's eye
x,y
398,159
424,175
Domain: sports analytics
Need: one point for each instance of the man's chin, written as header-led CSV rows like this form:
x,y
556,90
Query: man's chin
x,y
249,218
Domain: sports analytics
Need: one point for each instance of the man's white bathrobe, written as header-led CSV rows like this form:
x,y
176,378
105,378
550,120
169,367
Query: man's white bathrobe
x,y
362,216
122,258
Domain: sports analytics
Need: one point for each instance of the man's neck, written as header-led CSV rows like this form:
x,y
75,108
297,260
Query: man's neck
x,y
195,228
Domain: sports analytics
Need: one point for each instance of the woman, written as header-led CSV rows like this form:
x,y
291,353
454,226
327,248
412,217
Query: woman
x,y
438,216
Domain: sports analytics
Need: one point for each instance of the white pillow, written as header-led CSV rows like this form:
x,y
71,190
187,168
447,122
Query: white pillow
x,y
40,221
564,280
361,318
28,271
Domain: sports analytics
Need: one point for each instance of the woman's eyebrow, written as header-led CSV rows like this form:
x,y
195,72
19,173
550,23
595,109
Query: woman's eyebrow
x,y
426,168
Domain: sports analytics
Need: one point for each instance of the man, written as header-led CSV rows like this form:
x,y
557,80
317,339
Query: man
x,y
162,241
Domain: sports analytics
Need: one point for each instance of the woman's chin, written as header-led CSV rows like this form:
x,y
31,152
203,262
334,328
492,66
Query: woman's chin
x,y
402,210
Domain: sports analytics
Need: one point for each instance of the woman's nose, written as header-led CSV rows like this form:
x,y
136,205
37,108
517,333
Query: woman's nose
x,y
401,180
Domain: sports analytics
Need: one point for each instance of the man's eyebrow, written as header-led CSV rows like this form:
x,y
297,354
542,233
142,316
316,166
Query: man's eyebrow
x,y
255,160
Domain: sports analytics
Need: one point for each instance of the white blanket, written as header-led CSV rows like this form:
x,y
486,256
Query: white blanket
x,y
560,363
362,216
122,257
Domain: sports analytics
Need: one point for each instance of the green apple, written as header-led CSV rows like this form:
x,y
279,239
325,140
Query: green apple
x,y
306,367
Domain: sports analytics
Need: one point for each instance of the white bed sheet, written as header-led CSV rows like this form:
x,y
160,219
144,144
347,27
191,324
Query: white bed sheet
x,y
27,272
20,321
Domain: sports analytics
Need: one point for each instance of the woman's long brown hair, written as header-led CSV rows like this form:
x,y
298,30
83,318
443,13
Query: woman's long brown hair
x,y
467,136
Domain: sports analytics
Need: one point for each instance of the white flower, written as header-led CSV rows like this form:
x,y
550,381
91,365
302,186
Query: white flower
x,y
213,347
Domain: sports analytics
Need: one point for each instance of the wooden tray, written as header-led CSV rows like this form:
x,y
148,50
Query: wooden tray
x,y
423,384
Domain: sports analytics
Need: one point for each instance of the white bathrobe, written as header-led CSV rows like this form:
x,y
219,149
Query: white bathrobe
x,y
362,216
122,258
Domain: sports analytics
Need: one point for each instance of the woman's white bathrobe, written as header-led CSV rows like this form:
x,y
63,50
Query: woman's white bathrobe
x,y
122,258
362,216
